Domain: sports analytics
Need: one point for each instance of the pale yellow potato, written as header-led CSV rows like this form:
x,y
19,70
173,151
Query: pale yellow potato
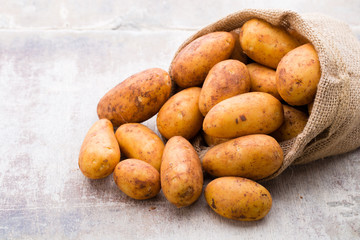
x,y
294,123
226,79
137,98
247,113
194,61
181,173
140,142
263,79
180,115
99,151
238,53
212,141
254,156
298,75
264,43
137,179
238,198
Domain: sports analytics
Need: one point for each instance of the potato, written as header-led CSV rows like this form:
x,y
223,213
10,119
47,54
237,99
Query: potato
x,y
137,179
137,98
226,79
310,107
238,53
298,75
140,142
247,113
180,115
254,156
263,79
238,198
294,123
264,43
181,173
100,151
194,61
212,141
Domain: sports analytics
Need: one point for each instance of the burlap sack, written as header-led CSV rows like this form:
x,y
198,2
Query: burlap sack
x,y
334,125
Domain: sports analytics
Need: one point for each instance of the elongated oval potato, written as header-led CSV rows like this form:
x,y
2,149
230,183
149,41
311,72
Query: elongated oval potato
x,y
264,43
226,79
140,142
238,198
181,173
194,61
180,115
238,53
247,113
100,151
137,179
294,123
212,141
263,79
137,98
298,75
254,156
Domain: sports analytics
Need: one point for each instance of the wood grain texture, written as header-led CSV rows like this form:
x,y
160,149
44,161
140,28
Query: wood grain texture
x,y
58,58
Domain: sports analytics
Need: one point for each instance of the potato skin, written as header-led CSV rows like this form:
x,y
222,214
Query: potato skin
x,y
298,75
226,79
181,173
238,53
99,151
238,198
137,179
247,113
137,98
264,43
180,115
294,123
140,142
212,141
263,79
254,156
194,61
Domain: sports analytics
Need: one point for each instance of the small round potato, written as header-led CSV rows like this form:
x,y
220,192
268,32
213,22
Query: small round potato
x,y
263,79
194,61
137,179
247,113
100,151
294,123
226,79
238,198
140,142
238,53
180,115
254,156
181,173
212,141
298,75
137,98
264,43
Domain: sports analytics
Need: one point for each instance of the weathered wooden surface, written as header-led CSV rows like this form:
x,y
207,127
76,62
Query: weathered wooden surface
x,y
57,59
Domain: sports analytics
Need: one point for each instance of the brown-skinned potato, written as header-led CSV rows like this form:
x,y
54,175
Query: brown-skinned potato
x,y
298,75
247,113
140,142
238,198
264,43
137,98
99,151
212,141
238,53
137,179
181,173
226,79
194,61
254,156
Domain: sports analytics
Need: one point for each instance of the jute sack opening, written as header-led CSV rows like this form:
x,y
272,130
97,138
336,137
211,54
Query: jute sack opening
x,y
334,125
